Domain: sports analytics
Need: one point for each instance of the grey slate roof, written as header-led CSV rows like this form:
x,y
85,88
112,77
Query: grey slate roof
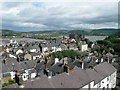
x,y
105,69
20,66
76,78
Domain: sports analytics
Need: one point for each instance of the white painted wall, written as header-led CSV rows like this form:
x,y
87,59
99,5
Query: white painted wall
x,y
33,75
10,55
19,51
84,47
44,49
34,57
58,49
33,50
53,49
25,76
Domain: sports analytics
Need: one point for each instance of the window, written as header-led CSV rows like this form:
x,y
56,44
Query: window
x,y
107,86
99,85
107,78
89,87
24,77
103,88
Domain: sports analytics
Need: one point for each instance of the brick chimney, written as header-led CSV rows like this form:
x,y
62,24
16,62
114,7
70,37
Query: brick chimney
x,y
47,72
18,58
18,78
48,59
66,68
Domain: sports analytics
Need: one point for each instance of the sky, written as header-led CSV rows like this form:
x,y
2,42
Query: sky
x,y
44,16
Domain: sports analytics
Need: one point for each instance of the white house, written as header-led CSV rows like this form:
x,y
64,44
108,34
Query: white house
x,y
58,49
19,51
10,55
84,47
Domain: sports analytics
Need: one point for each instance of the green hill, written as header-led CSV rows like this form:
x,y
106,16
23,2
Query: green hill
x,y
10,33
112,41
97,32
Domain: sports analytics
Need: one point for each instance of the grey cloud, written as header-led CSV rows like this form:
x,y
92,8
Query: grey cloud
x,y
58,16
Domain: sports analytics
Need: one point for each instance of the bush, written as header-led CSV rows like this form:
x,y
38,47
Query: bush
x,y
9,83
64,53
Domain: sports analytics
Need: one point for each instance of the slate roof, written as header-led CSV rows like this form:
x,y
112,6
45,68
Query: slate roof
x,y
20,66
76,78
105,69
94,75
39,65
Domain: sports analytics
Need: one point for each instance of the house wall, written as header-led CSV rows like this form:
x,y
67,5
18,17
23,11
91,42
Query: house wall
x,y
19,51
108,82
53,49
28,56
10,55
44,49
33,50
85,87
12,74
84,47
92,84
33,75
113,79
25,76
34,57
58,49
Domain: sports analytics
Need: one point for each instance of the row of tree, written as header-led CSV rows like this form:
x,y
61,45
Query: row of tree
x,y
112,41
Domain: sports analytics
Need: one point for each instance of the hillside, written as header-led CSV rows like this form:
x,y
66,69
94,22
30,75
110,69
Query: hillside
x,y
96,32
10,33
112,41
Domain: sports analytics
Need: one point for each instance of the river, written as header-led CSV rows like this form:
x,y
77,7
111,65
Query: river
x,y
95,38
91,38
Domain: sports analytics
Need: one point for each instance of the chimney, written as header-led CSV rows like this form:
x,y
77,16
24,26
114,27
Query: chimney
x,y
18,58
113,60
49,74
82,64
4,61
101,60
75,57
108,59
48,59
18,79
65,60
66,68
56,60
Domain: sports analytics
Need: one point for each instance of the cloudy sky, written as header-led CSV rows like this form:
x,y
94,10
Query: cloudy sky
x,y
41,16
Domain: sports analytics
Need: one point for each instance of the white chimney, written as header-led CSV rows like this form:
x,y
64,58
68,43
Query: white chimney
x,y
56,60
96,60
101,60
49,74
108,59
113,60
65,60
82,65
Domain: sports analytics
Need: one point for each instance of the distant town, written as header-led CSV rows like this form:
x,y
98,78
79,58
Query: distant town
x,y
71,61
